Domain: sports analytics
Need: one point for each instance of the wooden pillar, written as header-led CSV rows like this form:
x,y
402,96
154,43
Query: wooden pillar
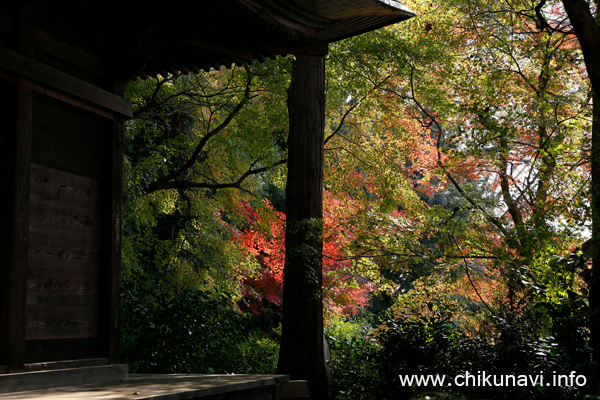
x,y
19,228
302,349
116,217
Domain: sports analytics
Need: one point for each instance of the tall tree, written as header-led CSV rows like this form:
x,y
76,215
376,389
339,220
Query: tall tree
x,y
198,145
302,353
585,19
584,22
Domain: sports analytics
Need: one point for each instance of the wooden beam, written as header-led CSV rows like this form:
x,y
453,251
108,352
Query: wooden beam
x,y
116,239
74,101
19,235
60,96
43,74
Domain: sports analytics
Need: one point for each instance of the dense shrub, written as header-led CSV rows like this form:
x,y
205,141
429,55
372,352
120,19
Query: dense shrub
x,y
190,332
353,361
366,362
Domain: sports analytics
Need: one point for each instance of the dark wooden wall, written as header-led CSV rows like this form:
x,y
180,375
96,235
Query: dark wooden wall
x,y
61,119
69,178
59,269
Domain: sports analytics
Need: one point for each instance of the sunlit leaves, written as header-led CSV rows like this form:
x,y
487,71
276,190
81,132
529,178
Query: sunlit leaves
x,y
194,139
466,145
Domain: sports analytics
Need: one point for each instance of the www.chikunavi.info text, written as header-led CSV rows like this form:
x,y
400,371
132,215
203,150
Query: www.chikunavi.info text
x,y
483,379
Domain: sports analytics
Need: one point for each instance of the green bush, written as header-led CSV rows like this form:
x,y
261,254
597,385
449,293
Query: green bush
x,y
353,361
189,332
366,362
432,345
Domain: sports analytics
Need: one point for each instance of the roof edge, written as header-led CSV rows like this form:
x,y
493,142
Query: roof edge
x,y
396,5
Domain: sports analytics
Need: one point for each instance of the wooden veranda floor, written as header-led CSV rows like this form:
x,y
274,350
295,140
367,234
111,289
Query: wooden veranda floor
x,y
163,387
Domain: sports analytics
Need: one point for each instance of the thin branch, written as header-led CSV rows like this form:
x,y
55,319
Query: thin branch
x,y
455,183
214,185
542,22
343,120
451,236
355,105
160,183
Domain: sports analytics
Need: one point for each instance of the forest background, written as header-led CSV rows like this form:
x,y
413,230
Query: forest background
x,y
457,214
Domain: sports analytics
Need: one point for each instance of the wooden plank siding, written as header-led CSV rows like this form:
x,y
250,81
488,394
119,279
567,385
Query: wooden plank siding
x,y
69,139
69,180
63,285
61,146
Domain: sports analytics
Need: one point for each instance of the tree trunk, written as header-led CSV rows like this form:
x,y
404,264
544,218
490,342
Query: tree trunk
x,y
302,353
594,287
587,30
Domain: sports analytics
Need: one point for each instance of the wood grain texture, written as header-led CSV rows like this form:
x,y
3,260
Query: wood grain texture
x,y
65,322
57,378
63,284
168,387
302,353
54,350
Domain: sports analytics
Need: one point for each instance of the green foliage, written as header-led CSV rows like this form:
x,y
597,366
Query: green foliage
x,y
366,360
457,158
199,145
354,367
190,331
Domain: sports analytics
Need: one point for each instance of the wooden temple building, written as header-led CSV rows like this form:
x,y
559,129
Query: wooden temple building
x,y
63,67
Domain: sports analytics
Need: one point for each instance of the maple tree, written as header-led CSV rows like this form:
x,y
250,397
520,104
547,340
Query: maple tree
x,y
491,118
584,18
494,119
